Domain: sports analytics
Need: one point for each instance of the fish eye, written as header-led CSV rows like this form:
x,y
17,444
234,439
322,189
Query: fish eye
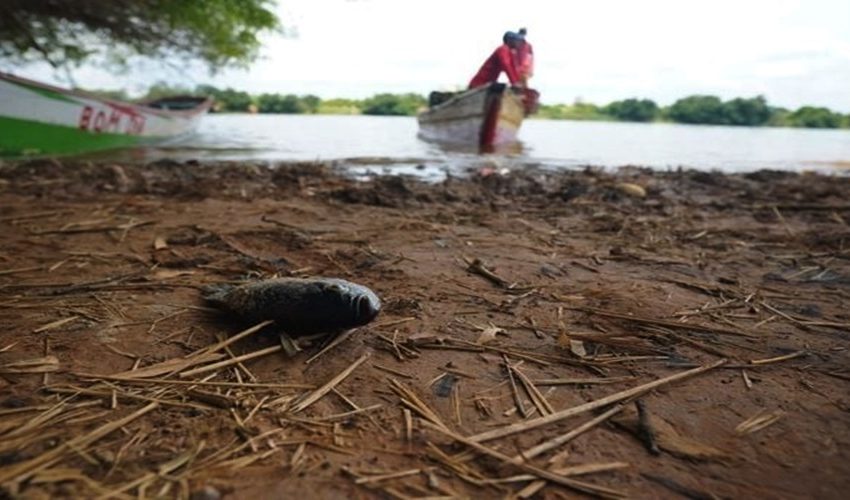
x,y
365,310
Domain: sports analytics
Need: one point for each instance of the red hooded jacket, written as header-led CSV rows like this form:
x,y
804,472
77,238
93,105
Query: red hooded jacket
x,y
502,59
525,60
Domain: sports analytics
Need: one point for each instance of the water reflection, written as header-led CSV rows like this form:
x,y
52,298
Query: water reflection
x,y
516,148
391,144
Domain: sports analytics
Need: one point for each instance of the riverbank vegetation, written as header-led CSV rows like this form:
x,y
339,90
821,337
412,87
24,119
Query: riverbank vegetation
x,y
695,109
701,110
222,33
217,33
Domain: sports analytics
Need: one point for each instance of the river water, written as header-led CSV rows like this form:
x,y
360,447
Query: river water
x,y
391,145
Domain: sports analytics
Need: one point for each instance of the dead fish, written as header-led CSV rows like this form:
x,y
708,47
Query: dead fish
x,y
299,306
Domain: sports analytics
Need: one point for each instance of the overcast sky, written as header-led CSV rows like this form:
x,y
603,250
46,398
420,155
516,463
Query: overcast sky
x,y
794,52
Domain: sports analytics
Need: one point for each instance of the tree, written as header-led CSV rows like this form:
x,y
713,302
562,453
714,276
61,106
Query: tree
x,y
393,104
339,107
706,109
814,117
68,32
276,103
748,112
633,110
162,89
227,99
310,103
778,117
115,95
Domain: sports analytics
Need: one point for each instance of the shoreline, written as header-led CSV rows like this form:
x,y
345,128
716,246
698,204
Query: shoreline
x,y
600,281
268,178
430,170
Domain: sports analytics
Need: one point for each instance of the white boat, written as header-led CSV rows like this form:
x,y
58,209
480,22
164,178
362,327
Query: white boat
x,y
39,119
486,116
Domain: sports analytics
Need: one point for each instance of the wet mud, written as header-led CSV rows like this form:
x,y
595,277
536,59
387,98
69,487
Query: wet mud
x,y
531,323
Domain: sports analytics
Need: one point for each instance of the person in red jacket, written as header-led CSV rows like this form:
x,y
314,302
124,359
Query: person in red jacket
x,y
502,59
524,58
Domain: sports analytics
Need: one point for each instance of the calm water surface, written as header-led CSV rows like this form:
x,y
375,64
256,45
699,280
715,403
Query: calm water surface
x,y
391,144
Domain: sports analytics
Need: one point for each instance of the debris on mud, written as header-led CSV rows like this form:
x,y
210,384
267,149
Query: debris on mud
x,y
634,333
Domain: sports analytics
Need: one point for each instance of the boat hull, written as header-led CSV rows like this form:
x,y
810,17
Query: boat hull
x,y
38,119
486,116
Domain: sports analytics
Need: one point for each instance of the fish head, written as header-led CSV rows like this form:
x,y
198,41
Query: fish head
x,y
216,294
367,305
360,302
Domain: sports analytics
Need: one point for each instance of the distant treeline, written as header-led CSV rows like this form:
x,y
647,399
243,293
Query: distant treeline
x,y
695,109
236,101
701,109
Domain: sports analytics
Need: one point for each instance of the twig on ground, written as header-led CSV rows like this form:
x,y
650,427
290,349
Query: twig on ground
x,y
541,473
477,267
592,405
22,470
759,421
337,340
567,437
645,430
777,359
316,395
229,362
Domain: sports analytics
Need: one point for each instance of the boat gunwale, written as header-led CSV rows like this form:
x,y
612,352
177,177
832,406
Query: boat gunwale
x,y
201,108
494,87
457,98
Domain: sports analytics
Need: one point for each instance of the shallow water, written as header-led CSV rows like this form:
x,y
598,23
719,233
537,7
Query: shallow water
x,y
367,143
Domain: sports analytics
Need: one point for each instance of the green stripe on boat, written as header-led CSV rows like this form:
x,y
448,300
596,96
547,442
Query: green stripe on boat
x,y
37,119
28,138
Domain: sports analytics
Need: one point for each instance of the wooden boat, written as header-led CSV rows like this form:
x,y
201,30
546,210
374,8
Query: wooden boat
x,y
39,119
486,116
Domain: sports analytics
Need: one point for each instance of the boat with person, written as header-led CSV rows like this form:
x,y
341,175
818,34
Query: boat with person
x,y
488,116
40,119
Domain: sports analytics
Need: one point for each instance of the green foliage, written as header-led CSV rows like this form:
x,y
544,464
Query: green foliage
x,y
704,109
813,117
753,111
339,107
276,103
289,103
633,110
115,95
576,111
227,100
710,110
750,112
778,117
64,33
162,89
393,104
310,103
381,104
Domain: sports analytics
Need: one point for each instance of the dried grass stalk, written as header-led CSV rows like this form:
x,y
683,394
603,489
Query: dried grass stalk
x,y
321,391
536,471
45,364
24,469
592,405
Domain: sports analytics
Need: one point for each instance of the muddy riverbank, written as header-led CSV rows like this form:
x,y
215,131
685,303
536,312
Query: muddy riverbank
x,y
506,297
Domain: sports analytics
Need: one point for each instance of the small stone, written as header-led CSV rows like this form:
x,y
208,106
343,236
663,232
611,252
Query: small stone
x,y
206,493
630,189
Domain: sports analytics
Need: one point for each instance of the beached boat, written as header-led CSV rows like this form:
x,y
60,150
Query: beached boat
x,y
39,119
485,116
